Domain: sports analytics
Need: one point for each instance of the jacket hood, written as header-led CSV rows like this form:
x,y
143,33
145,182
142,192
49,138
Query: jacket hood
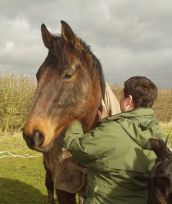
x,y
140,124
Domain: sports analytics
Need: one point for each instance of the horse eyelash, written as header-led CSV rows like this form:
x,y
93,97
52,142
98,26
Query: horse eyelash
x,y
67,76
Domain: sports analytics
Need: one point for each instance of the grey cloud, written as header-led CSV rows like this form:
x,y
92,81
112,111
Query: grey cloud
x,y
120,64
129,37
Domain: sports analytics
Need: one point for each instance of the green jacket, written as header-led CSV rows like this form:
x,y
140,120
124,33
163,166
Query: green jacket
x,y
118,156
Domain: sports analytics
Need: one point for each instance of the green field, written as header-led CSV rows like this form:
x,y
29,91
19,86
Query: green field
x,y
22,174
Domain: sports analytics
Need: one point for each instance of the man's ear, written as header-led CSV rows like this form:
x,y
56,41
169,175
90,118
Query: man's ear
x,y
130,100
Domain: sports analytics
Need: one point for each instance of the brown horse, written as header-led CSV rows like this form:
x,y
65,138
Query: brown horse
x,y
70,86
160,188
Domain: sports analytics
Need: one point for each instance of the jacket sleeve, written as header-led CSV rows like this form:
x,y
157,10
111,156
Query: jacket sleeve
x,y
89,148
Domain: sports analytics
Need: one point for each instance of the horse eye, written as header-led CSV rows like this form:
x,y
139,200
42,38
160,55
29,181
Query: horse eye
x,y
67,76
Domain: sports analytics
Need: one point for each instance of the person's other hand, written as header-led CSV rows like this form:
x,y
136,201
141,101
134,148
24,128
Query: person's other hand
x,y
102,113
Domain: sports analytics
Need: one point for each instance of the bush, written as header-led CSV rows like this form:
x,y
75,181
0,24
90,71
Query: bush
x,y
16,94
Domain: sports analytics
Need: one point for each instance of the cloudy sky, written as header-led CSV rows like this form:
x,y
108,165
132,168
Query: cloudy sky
x,y
130,37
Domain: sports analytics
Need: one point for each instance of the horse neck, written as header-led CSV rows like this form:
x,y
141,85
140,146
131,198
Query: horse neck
x,y
160,197
155,196
89,121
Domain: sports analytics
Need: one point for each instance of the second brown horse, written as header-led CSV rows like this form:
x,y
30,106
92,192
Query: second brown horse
x,y
160,186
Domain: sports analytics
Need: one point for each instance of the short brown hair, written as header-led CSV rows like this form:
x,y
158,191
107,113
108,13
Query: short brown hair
x,y
142,89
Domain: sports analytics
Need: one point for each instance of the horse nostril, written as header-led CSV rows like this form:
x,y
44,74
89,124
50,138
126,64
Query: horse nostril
x,y
28,139
38,138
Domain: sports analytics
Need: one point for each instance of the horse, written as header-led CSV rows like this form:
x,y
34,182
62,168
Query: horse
x,y
160,186
70,87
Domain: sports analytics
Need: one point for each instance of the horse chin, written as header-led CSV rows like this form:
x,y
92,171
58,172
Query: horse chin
x,y
46,148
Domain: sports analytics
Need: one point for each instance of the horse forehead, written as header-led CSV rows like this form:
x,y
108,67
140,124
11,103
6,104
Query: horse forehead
x,y
49,71
53,71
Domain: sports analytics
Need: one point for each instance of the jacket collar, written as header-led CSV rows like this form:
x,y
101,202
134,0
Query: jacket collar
x,y
138,112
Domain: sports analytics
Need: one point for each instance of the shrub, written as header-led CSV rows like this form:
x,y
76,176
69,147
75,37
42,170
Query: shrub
x,y
16,94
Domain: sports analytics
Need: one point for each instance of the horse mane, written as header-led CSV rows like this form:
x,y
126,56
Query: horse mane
x,y
56,58
96,65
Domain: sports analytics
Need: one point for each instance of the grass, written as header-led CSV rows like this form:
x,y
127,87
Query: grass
x,y
163,105
168,130
22,179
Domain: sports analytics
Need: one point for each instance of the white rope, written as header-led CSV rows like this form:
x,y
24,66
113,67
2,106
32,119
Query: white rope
x,y
9,154
20,156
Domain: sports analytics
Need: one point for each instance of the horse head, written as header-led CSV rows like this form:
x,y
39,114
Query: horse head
x,y
70,87
161,175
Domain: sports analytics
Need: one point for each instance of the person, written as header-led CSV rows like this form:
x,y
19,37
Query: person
x,y
117,152
110,101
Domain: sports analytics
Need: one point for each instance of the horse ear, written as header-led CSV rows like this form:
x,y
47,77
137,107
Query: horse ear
x,y
69,36
47,37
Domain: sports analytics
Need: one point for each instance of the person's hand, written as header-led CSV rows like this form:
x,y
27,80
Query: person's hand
x,y
103,113
73,122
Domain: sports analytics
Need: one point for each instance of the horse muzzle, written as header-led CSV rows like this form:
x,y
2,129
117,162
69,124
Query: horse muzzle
x,y
35,141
